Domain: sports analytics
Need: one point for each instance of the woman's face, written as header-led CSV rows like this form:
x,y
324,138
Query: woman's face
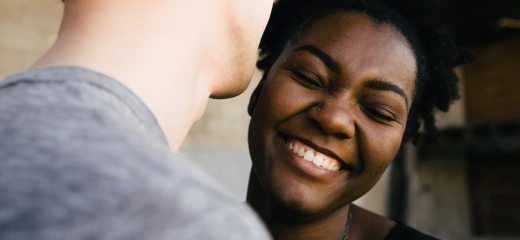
x,y
339,96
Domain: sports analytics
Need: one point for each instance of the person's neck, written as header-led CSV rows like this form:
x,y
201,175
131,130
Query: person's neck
x,y
284,224
156,53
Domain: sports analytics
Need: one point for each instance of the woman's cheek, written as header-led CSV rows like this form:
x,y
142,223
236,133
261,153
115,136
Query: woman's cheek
x,y
381,146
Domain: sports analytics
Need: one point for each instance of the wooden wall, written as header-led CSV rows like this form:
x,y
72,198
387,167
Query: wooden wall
x,y
493,82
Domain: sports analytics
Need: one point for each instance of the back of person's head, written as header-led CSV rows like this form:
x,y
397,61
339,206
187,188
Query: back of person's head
x,y
419,21
226,32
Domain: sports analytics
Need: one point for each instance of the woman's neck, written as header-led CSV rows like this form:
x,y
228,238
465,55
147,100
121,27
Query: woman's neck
x,y
286,224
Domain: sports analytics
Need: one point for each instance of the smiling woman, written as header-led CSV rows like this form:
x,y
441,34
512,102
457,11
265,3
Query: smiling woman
x,y
343,85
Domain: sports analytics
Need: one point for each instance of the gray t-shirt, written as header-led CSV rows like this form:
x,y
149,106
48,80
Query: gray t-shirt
x,y
81,157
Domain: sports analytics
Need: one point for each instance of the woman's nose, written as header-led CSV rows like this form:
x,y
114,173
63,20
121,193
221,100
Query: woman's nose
x,y
333,118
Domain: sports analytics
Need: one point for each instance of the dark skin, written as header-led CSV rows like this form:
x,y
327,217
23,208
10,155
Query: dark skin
x,y
342,92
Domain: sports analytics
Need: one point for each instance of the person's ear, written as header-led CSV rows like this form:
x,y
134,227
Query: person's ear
x,y
255,96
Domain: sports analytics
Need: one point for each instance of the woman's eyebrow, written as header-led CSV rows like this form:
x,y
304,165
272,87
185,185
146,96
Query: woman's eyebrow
x,y
324,57
387,86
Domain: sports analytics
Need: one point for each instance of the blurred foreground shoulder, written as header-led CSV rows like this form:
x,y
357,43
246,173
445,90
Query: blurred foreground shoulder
x,y
81,157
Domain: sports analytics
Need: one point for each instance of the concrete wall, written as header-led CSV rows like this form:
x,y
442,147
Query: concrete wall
x,y
27,29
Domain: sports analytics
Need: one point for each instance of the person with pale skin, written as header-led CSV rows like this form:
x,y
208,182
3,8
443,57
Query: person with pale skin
x,y
89,133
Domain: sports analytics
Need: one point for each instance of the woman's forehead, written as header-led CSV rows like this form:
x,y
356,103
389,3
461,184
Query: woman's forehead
x,y
347,27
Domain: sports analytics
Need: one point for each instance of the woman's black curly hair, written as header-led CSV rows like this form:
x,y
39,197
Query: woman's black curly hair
x,y
418,20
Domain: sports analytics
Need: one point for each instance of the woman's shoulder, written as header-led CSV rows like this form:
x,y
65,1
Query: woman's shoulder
x,y
365,221
403,231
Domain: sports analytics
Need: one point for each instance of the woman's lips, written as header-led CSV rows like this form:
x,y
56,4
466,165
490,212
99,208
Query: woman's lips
x,y
313,156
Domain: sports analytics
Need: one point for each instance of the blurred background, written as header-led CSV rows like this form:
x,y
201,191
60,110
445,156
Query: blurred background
x,y
466,185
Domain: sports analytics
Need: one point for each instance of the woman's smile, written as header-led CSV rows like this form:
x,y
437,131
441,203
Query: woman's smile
x,y
317,162
316,158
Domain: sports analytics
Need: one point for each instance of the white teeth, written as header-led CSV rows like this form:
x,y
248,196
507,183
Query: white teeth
x,y
331,167
325,163
317,160
301,152
308,155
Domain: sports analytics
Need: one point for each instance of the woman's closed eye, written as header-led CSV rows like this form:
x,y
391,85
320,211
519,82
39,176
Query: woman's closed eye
x,y
306,78
379,114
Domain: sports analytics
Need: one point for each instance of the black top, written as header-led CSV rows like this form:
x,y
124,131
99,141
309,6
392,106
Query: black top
x,y
402,231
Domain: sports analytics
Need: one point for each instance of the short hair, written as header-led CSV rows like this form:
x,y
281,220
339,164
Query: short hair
x,y
435,51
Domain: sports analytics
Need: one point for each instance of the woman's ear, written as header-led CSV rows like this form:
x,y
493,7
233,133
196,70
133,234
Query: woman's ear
x,y
254,97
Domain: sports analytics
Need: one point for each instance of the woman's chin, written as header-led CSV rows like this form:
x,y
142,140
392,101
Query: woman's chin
x,y
303,205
